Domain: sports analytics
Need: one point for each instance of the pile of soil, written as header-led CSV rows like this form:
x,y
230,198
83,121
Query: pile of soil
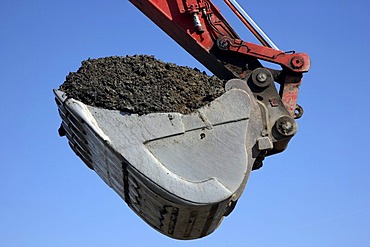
x,y
141,84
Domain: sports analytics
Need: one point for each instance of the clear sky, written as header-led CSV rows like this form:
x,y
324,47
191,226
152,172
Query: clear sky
x,y
316,193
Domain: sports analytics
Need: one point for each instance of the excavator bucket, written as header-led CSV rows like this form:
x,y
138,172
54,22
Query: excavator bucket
x,y
181,173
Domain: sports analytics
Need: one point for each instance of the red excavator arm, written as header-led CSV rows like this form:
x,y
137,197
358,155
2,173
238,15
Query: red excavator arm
x,y
199,27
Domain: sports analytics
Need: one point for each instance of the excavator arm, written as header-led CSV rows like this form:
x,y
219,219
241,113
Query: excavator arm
x,y
183,173
199,27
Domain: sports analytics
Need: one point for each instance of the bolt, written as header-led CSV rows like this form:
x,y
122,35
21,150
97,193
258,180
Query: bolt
x,y
285,126
261,77
297,62
224,44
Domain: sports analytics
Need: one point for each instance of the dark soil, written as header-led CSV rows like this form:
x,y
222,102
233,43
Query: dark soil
x,y
141,84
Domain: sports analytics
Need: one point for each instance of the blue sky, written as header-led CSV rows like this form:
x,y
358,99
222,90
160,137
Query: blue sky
x,y
316,193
